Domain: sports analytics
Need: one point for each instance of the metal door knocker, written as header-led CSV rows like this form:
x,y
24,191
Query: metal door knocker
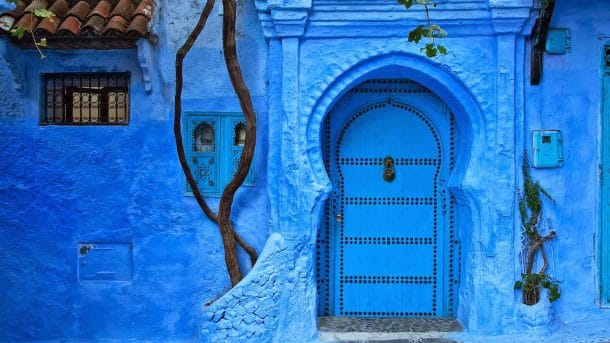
x,y
388,169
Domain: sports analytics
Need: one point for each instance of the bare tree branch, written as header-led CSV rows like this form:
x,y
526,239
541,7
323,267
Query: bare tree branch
x,y
178,108
180,55
545,262
245,101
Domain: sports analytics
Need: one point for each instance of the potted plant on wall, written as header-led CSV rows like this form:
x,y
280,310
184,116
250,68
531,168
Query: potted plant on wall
x,y
534,236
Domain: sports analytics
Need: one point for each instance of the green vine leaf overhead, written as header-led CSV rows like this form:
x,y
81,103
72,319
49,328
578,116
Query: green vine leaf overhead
x,y
20,31
432,32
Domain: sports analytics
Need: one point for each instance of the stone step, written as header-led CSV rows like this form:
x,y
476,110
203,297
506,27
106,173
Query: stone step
x,y
388,330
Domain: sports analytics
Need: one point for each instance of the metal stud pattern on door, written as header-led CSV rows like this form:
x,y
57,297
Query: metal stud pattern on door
x,y
387,247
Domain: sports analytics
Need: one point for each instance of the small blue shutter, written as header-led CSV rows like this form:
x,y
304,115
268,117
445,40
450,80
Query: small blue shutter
x,y
236,137
202,152
213,145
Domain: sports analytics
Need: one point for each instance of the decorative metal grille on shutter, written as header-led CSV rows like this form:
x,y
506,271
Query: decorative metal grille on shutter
x,y
203,154
214,145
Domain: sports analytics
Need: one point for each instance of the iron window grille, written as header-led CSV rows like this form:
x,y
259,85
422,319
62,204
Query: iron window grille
x,y
85,99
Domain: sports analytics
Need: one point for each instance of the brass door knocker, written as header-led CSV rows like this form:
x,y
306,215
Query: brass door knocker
x,y
388,169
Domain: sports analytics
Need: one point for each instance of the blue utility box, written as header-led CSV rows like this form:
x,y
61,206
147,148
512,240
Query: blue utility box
x,y
558,41
548,148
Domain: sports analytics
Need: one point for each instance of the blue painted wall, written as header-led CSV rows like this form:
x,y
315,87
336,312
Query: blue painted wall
x,y
569,99
65,185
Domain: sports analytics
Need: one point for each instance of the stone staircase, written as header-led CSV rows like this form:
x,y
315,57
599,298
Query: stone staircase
x,y
388,330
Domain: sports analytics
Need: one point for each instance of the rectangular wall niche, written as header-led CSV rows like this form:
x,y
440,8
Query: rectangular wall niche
x,y
105,261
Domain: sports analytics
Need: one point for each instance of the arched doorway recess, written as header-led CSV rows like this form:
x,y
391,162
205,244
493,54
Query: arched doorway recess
x,y
388,245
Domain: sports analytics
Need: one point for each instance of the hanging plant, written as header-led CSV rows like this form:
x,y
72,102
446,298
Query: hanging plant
x,y
530,209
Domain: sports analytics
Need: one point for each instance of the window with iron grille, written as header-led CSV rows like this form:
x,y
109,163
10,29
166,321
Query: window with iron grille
x,y
85,99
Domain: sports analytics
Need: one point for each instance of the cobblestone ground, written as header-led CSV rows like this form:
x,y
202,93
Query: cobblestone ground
x,y
407,330
393,330
342,324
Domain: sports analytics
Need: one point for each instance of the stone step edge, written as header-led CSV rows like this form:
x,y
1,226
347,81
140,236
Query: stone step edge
x,y
330,336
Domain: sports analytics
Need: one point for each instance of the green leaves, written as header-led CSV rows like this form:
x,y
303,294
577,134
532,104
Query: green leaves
x,y
534,281
433,50
406,3
554,292
409,3
416,34
42,42
430,32
18,32
43,13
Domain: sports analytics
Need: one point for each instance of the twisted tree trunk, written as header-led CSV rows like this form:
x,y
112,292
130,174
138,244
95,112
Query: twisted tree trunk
x,y
245,101
229,236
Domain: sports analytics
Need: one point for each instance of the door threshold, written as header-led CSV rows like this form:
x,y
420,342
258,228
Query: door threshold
x,y
344,329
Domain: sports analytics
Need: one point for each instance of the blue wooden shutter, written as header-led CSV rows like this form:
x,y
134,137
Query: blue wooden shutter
x,y
235,138
202,152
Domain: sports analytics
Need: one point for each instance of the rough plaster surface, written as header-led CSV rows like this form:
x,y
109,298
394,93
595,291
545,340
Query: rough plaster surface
x,y
484,82
65,185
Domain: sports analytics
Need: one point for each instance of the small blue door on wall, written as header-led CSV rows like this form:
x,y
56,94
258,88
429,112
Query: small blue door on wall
x,y
388,247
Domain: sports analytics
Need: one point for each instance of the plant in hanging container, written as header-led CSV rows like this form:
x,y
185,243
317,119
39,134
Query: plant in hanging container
x,y
534,237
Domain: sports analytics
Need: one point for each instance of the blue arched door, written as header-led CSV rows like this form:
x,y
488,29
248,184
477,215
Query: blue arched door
x,y
388,248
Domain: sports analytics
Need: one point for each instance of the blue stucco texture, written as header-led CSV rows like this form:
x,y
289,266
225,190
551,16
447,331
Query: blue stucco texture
x,y
62,186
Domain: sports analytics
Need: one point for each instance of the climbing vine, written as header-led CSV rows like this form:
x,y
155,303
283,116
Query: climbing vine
x,y
432,32
20,30
530,210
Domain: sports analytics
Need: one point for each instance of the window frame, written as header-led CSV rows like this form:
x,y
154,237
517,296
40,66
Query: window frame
x,y
67,93
226,153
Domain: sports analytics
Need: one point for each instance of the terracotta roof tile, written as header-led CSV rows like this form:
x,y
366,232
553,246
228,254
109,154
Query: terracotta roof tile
x,y
74,19
138,26
70,25
94,26
60,8
116,26
50,25
102,9
145,8
28,21
124,8
35,5
80,10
